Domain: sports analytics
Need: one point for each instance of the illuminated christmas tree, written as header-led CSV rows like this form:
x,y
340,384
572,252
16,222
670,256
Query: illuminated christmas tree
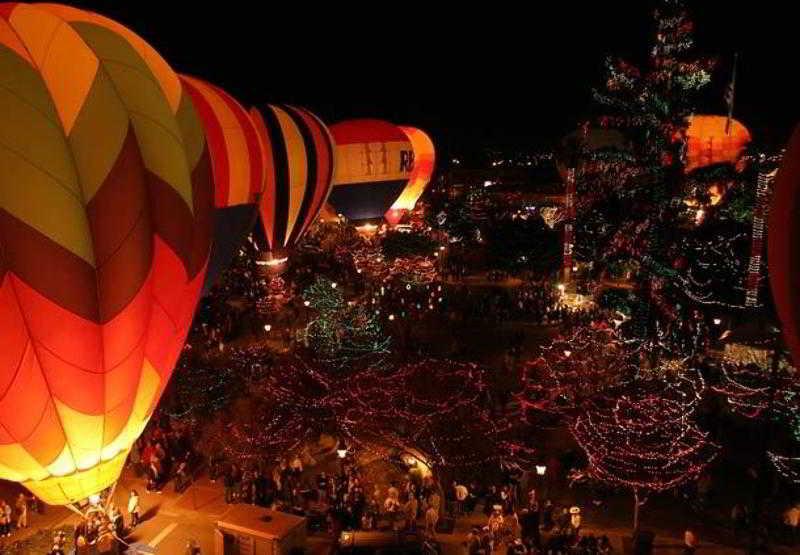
x,y
344,336
638,205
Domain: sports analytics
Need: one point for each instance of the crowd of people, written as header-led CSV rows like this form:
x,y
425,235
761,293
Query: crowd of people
x,y
16,517
163,453
334,501
529,528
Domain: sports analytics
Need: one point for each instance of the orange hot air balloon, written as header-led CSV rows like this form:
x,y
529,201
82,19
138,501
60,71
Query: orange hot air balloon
x,y
424,162
783,244
374,161
709,144
238,166
106,203
299,158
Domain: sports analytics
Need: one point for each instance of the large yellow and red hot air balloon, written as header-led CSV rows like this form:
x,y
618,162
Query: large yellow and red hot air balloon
x,y
374,161
238,169
424,162
783,245
299,160
105,228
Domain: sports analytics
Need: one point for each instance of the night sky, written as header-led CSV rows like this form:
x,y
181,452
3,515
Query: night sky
x,y
495,76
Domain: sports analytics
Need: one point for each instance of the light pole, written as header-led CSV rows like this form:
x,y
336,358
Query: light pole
x,y
541,471
341,452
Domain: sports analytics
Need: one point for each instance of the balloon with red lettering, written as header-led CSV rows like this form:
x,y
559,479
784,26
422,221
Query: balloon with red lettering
x,y
374,161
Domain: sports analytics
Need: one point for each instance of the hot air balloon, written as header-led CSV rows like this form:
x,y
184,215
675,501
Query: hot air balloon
x,y
106,203
424,161
714,154
708,143
783,244
299,157
374,161
238,169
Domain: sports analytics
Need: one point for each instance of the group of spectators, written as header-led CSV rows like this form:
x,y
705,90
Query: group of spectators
x,y
164,452
16,517
100,531
530,528
335,501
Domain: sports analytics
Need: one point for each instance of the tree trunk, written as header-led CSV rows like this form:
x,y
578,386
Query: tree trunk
x,y
635,511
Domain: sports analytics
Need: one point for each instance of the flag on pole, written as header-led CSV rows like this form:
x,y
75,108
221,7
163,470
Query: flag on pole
x,y
730,93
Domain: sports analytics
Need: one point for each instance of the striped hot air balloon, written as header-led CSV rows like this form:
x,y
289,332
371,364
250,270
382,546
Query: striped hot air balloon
x,y
105,227
238,168
424,162
374,161
299,158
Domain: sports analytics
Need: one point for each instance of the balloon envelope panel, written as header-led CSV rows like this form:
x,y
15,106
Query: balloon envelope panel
x,y
374,161
105,224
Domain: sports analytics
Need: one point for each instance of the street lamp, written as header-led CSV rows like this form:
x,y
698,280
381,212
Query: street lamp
x,y
567,353
540,469
341,452
717,321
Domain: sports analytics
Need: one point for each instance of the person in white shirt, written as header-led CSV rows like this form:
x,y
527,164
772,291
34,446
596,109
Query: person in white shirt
x,y
133,508
461,494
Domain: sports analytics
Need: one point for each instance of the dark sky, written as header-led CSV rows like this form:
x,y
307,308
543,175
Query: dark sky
x,y
512,75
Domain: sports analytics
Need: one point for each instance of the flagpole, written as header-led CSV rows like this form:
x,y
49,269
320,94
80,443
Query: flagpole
x,y
730,94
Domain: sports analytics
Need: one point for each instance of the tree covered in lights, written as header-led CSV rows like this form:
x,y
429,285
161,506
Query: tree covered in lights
x,y
439,409
344,336
773,398
637,203
575,370
288,402
633,420
643,438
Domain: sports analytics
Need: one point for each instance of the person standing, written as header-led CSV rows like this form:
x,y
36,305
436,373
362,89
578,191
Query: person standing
x,y
133,508
547,515
529,522
431,519
228,484
411,510
5,519
791,519
575,521
689,542
22,509
738,519
461,494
